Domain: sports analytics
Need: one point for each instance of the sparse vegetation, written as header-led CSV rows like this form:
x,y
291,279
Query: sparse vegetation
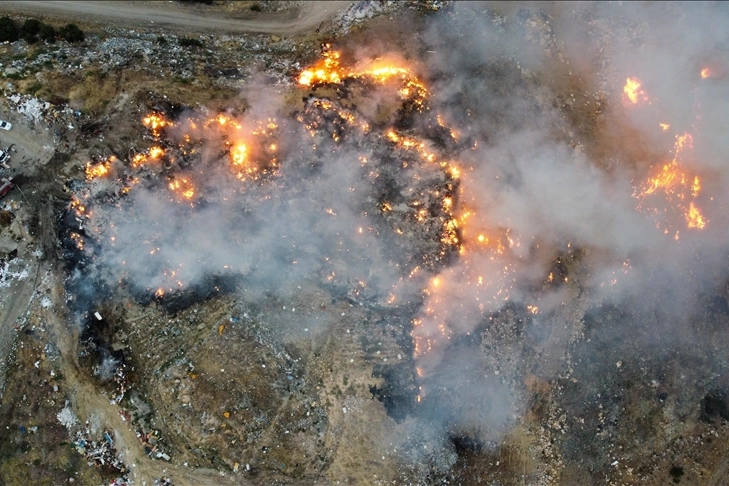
x,y
189,42
29,30
34,30
34,88
71,33
47,33
8,30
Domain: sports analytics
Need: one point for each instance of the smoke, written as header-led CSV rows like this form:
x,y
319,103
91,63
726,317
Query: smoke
x,y
556,191
551,210
277,233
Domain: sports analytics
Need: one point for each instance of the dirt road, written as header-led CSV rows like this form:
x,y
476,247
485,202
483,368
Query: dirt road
x,y
88,401
13,306
188,18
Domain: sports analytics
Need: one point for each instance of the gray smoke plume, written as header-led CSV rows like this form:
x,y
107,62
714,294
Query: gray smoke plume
x,y
552,165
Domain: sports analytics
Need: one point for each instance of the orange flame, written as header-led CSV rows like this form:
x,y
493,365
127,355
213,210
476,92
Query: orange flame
x,y
327,70
633,91
677,185
156,152
694,218
184,187
239,154
97,170
155,122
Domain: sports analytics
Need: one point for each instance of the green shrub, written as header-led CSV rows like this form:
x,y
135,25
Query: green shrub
x,y
47,33
190,42
71,33
8,30
29,30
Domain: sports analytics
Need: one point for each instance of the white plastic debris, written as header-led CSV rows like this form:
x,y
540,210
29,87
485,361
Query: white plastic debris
x,y
97,315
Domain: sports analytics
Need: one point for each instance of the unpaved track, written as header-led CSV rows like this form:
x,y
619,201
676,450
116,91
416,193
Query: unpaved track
x,y
14,306
88,400
188,18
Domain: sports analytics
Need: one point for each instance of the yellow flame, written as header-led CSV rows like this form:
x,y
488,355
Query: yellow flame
x,y
696,186
97,170
677,185
184,186
155,122
633,90
239,154
156,152
694,218
138,160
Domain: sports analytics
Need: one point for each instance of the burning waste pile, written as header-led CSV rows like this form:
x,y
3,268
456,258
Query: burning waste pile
x,y
445,192
260,198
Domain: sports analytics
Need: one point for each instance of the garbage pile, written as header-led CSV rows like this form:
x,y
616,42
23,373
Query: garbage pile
x,y
151,446
99,453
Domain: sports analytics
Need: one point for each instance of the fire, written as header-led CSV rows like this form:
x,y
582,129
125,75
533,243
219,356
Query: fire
x,y
633,91
696,187
694,218
156,152
138,160
667,179
239,154
330,70
327,70
159,293
664,126
183,187
705,73
94,171
677,185
78,240
155,122
78,207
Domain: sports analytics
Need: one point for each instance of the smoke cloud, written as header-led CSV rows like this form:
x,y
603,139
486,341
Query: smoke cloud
x,y
553,207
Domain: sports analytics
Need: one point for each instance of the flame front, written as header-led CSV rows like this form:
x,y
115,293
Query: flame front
x,y
672,180
677,185
95,171
694,218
